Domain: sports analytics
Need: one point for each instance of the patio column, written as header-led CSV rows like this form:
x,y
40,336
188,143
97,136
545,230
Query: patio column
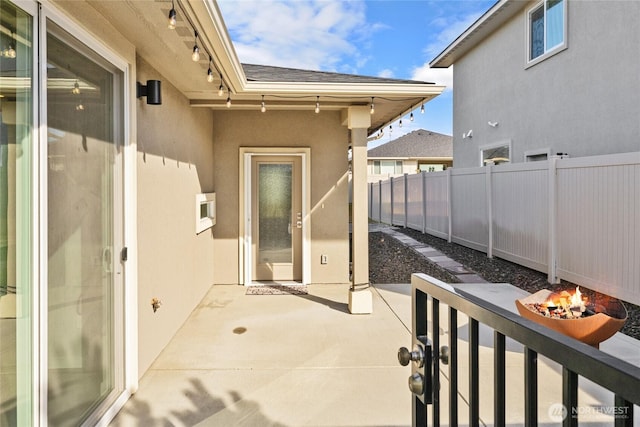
x,y
360,297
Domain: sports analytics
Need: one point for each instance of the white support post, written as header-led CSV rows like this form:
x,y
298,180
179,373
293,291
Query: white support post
x,y
360,296
391,199
424,202
406,203
380,201
449,205
489,201
552,219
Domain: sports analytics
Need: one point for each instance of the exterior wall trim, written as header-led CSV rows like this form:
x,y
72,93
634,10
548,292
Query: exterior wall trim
x,y
246,153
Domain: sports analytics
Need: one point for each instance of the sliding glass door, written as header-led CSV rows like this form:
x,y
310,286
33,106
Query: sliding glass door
x,y
16,142
84,141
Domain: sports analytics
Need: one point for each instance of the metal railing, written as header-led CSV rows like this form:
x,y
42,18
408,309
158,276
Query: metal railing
x,y
428,355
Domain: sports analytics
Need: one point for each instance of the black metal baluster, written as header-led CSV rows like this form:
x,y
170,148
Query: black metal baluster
x,y
435,315
530,387
420,330
569,396
453,367
474,377
499,379
623,412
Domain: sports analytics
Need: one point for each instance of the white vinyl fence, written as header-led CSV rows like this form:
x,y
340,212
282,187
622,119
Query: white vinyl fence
x,y
576,219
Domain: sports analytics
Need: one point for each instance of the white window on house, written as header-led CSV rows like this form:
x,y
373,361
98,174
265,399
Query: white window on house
x,y
547,23
387,167
496,154
376,167
536,155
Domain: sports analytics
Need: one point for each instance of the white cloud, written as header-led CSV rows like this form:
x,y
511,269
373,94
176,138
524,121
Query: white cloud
x,y
439,76
450,28
386,73
314,35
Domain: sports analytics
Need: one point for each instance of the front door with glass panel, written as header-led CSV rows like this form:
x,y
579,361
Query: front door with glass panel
x,y
84,137
276,212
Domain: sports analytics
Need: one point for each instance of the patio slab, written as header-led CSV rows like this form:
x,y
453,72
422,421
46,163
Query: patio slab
x,y
278,360
285,360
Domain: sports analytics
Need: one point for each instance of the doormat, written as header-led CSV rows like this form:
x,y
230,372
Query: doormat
x,y
277,290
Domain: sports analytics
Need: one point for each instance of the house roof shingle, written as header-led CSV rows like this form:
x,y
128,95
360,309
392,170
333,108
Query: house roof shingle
x,y
419,143
267,73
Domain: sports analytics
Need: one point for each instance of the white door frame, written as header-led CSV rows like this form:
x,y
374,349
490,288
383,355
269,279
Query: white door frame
x,y
126,325
244,235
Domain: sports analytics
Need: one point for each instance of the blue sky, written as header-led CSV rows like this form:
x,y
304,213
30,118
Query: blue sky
x,y
377,38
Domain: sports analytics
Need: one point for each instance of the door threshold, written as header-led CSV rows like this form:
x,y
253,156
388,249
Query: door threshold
x,y
275,282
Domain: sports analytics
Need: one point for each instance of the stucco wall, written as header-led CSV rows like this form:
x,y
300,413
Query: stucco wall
x,y
175,162
328,141
582,101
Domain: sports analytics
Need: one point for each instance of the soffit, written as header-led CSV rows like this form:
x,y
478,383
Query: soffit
x,y
144,24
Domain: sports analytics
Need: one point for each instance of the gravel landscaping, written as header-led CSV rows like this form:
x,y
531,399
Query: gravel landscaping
x,y
392,262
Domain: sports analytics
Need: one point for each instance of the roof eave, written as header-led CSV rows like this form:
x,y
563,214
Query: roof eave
x,y
345,89
496,16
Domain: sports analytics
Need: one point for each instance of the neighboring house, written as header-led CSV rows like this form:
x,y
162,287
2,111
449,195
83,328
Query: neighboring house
x,y
129,186
540,78
420,150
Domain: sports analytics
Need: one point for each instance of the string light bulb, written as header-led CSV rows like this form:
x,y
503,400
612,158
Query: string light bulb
x,y
422,109
400,124
76,88
172,17
195,56
210,72
263,107
390,129
229,101
10,52
221,87
373,108
317,104
411,117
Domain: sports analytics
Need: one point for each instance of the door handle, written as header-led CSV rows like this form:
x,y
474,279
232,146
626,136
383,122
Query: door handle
x,y
421,379
106,259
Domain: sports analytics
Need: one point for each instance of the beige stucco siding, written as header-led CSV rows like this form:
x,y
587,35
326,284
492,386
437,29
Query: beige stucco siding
x,y
328,143
577,101
174,163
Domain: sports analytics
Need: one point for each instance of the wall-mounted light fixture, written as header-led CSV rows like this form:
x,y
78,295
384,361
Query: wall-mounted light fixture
x,y
152,91
468,134
492,124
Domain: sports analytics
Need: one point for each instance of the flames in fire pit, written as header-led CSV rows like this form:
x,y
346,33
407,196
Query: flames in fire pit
x,y
574,315
563,305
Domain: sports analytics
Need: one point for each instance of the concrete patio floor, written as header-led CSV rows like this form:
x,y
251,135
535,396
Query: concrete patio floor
x,y
281,360
285,360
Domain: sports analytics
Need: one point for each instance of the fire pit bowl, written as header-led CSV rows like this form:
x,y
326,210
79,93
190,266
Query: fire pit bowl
x,y
607,318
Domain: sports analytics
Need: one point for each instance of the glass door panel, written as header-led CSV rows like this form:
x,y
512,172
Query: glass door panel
x,y
16,137
274,213
277,209
83,136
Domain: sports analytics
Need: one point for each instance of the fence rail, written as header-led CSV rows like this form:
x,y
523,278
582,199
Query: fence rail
x,y
576,219
430,296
